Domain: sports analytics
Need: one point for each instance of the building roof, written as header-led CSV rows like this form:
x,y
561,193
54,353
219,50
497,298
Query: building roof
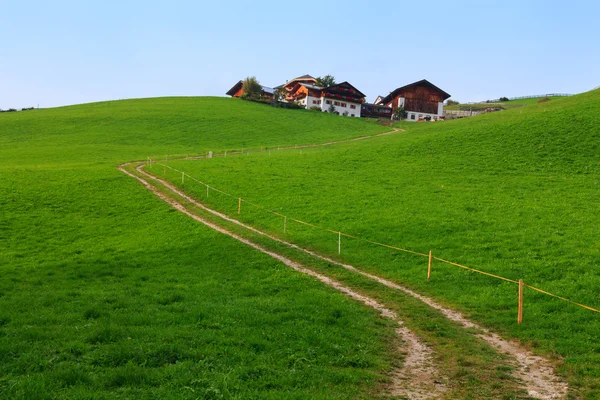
x,y
300,78
375,105
239,85
235,88
422,82
332,87
306,85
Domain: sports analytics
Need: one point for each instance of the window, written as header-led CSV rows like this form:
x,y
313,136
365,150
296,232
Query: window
x,y
328,101
343,104
352,115
412,116
352,106
336,103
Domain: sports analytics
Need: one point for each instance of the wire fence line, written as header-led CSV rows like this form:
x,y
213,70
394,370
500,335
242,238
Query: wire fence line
x,y
340,234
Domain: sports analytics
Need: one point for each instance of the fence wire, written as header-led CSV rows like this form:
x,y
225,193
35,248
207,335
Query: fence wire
x,y
363,239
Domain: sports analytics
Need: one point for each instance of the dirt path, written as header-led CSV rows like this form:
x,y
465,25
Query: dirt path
x,y
303,146
536,372
417,379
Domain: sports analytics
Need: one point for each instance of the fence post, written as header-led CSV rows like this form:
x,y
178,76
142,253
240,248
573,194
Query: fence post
x,y
164,169
429,264
182,177
284,224
239,205
520,312
207,191
339,242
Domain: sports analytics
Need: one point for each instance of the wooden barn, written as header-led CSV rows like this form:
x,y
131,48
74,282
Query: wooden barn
x,y
422,100
236,91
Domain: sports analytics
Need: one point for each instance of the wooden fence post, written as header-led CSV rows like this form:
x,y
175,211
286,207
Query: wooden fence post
x,y
206,190
339,242
429,264
239,205
520,312
284,224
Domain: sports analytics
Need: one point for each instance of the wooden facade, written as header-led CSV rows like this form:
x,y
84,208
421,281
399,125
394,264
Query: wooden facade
x,y
369,110
237,91
421,97
342,91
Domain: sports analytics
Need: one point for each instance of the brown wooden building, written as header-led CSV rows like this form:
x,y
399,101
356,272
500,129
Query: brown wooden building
x,y
421,100
237,91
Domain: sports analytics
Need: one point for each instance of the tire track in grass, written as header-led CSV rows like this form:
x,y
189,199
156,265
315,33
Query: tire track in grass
x,y
537,373
417,379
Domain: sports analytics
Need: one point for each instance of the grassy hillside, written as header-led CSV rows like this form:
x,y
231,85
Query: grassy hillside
x,y
506,105
105,292
512,193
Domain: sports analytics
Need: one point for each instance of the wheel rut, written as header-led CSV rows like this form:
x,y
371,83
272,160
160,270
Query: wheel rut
x,y
417,379
537,373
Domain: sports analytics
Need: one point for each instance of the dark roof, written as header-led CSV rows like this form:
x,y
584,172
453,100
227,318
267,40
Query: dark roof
x,y
374,105
345,82
239,85
422,82
234,89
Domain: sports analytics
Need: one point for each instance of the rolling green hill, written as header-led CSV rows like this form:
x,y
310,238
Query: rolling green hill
x,y
107,293
512,193
506,105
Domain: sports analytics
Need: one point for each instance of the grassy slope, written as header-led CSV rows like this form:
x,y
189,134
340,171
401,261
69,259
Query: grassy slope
x,y
106,292
514,193
504,104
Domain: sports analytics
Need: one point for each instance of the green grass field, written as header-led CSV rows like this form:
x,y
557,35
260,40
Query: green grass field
x,y
513,193
106,292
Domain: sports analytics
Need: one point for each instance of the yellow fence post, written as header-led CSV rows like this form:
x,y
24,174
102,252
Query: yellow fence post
x,y
429,264
520,312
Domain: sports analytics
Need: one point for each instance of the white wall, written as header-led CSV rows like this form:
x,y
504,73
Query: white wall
x,y
310,103
340,109
419,115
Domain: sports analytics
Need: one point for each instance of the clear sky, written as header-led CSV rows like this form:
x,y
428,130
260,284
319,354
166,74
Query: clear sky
x,y
66,52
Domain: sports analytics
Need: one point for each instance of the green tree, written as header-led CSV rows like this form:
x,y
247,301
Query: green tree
x,y
278,94
452,103
251,88
400,113
331,109
326,81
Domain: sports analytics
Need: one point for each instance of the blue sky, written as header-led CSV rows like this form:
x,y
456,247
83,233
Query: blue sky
x,y
68,52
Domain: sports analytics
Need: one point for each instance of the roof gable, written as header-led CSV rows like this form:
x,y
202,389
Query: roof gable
x,y
422,82
235,88
345,85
